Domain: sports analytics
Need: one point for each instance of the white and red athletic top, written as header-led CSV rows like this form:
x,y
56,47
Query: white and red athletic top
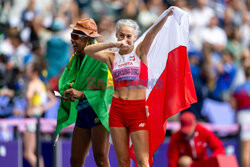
x,y
129,70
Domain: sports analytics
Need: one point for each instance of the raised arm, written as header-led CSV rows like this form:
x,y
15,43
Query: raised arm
x,y
98,51
147,41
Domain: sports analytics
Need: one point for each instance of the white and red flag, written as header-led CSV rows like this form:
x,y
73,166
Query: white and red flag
x,y
170,86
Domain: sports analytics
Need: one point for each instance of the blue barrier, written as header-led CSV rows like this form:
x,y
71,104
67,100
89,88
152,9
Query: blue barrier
x,y
10,154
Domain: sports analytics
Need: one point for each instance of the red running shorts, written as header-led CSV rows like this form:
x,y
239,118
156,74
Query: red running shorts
x,y
128,113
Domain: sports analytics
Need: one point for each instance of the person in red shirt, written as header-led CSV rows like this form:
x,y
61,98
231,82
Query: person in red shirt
x,y
190,143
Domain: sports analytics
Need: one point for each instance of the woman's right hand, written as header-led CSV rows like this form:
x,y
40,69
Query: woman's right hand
x,y
120,44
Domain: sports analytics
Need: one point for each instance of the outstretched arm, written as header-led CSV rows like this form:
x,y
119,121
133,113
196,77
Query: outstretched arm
x,y
147,41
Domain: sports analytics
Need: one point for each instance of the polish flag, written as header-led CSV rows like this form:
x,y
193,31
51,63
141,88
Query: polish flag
x,y
170,86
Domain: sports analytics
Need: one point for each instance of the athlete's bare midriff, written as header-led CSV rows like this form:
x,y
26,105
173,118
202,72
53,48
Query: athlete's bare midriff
x,y
135,92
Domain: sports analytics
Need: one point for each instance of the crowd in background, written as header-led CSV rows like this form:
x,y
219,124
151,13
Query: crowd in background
x,y
36,32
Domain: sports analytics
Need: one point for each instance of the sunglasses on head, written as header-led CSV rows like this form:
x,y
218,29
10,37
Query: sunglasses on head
x,y
76,36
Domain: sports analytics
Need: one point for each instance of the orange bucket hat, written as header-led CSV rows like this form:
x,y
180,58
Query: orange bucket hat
x,y
88,26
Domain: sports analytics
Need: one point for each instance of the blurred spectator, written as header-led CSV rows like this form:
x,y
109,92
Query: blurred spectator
x,y
3,68
182,4
234,45
199,82
234,12
226,71
36,93
245,31
29,33
21,53
207,68
100,8
57,49
201,14
241,94
217,109
240,75
194,61
19,107
83,4
241,102
214,36
5,7
149,12
131,9
106,28
11,89
190,143
6,96
69,11
36,105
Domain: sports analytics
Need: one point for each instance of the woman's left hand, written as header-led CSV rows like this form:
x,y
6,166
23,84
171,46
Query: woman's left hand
x,y
171,12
